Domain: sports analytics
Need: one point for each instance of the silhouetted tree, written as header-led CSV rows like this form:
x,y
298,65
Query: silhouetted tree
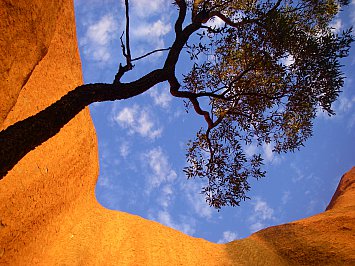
x,y
264,74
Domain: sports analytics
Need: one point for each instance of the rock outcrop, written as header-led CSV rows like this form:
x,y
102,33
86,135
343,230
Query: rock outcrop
x,y
48,211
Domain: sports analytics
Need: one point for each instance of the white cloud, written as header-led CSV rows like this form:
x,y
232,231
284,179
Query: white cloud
x,y
160,168
262,213
164,217
256,227
149,24
146,125
127,115
138,120
299,174
197,200
161,97
268,155
101,32
286,195
166,196
341,107
124,149
323,114
104,181
250,150
160,176
147,8
336,25
215,22
97,38
156,29
288,60
344,104
228,236
262,210
152,33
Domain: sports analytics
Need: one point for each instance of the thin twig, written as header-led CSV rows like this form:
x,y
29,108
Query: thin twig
x,y
126,51
151,52
128,57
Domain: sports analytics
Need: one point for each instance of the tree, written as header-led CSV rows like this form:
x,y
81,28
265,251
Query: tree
x,y
240,69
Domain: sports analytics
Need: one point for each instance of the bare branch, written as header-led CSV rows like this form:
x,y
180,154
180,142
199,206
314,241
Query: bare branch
x,y
126,51
151,52
128,57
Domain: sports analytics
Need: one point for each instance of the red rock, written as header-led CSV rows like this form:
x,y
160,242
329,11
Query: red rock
x,y
48,211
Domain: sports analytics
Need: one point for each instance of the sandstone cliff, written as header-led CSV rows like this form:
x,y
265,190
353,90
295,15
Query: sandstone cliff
x,y
48,211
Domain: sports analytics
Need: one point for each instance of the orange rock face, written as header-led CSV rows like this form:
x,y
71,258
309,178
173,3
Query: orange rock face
x,y
27,29
48,211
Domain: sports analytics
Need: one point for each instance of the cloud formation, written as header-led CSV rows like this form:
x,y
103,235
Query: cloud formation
x,y
336,25
262,213
165,218
215,22
161,171
150,24
268,154
227,236
147,8
138,120
124,149
96,41
152,32
161,97
192,190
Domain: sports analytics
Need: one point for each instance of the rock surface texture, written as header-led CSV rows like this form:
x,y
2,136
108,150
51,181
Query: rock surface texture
x,y
48,211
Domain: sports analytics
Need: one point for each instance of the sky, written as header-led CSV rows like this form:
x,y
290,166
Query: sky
x,y
142,141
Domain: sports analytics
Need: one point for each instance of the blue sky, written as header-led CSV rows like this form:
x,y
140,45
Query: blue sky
x,y
142,141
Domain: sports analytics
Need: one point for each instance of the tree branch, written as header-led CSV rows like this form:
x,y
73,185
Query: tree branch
x,y
174,90
123,69
256,94
128,56
237,78
228,21
181,18
151,52
23,136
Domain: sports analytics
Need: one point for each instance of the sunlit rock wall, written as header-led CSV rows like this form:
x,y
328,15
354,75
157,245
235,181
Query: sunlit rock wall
x,y
48,211
40,63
